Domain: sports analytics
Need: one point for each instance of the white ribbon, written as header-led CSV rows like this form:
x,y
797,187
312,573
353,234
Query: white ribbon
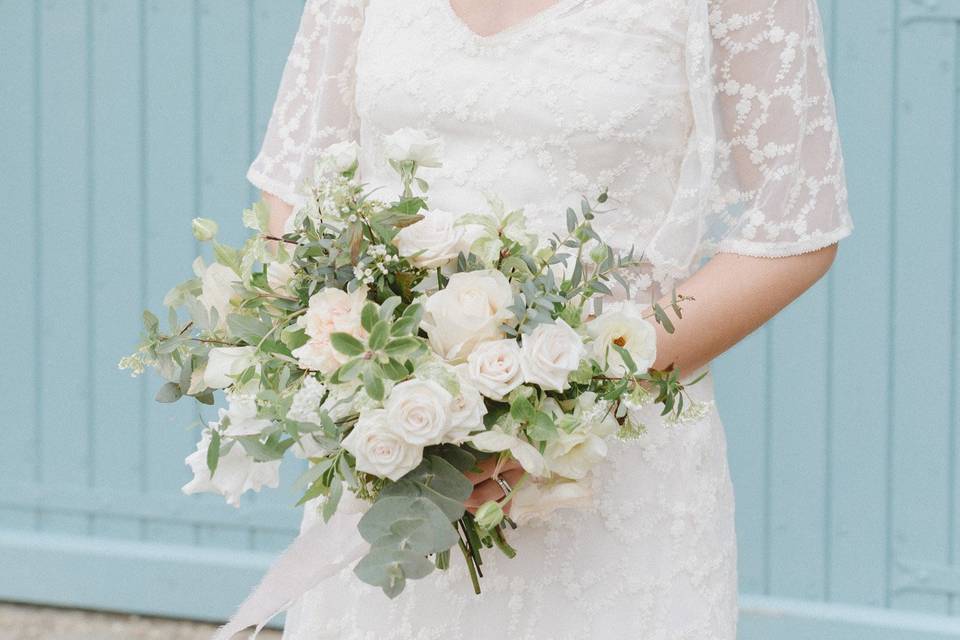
x,y
300,568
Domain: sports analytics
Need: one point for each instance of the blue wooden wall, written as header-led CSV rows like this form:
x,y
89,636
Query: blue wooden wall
x,y
122,119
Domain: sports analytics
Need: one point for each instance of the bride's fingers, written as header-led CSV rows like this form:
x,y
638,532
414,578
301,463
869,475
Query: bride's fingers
x,y
488,466
491,490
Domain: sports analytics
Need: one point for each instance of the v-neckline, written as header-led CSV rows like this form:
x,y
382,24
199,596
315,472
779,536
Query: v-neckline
x,y
521,24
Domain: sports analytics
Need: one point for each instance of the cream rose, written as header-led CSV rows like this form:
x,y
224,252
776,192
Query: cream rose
x,y
236,473
413,144
496,368
216,290
279,275
379,449
550,353
419,411
623,325
467,409
242,413
329,311
470,310
431,242
224,362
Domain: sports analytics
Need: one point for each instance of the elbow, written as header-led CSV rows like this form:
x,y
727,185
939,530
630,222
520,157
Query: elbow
x,y
821,260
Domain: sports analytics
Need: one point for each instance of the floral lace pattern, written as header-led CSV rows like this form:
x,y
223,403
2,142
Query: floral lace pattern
x,y
711,125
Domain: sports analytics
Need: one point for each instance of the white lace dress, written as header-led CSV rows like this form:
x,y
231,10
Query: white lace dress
x,y
711,123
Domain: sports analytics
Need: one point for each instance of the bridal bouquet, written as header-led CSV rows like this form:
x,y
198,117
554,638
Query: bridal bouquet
x,y
394,346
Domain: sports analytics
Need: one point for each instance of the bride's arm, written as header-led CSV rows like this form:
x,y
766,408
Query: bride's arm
x,y
733,296
279,212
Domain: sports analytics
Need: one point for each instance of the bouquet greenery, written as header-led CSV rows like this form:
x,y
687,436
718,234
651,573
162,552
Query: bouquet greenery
x,y
394,346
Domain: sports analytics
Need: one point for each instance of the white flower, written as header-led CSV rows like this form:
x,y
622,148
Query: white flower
x,y
496,368
431,242
242,412
623,325
216,290
470,310
525,453
536,500
467,410
419,411
306,401
550,353
413,144
236,472
339,157
329,311
279,275
223,362
378,449
580,443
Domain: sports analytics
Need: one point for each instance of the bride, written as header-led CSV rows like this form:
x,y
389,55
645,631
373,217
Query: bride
x,y
712,125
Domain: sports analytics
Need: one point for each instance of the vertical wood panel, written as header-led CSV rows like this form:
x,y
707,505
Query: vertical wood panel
x,y
18,170
171,186
863,64
118,270
64,262
921,474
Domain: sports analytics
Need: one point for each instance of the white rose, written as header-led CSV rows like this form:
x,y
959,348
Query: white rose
x,y
413,144
578,449
536,500
236,473
242,412
223,362
550,353
329,311
470,310
623,325
496,440
419,411
216,290
378,449
496,368
339,157
467,410
431,242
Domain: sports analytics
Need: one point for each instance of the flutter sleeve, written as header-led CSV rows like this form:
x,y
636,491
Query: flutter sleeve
x,y
315,103
764,174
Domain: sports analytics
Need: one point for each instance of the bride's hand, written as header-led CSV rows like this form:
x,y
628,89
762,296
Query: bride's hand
x,y
485,488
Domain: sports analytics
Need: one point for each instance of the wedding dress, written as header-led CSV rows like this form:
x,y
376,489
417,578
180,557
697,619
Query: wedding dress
x,y
711,125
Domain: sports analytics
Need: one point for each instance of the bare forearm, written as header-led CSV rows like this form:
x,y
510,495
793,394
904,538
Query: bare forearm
x,y
734,295
279,212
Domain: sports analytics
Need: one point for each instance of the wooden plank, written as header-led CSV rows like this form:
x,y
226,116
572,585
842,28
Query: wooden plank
x,y
742,387
863,61
921,307
19,167
63,292
171,182
116,134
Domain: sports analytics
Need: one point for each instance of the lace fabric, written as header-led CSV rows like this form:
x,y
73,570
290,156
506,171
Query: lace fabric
x,y
712,126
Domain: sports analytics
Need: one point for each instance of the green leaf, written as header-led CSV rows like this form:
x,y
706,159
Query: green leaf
x,y
521,409
373,384
400,347
571,220
169,392
333,499
247,328
626,357
394,370
368,317
661,317
227,256
379,335
388,307
346,344
389,569
213,452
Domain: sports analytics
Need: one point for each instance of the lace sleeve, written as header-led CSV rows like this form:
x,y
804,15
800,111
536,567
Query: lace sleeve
x,y
315,104
764,172
779,164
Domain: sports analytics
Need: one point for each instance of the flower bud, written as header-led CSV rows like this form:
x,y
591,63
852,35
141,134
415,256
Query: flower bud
x,y
489,515
204,229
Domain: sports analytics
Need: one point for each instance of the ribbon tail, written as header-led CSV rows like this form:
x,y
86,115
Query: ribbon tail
x,y
300,568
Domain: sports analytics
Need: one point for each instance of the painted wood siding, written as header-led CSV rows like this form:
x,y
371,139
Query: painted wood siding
x,y
120,120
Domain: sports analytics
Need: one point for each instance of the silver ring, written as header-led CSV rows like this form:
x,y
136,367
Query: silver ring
x,y
503,485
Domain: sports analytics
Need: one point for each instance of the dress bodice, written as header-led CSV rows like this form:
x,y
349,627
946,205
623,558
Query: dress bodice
x,y
565,104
